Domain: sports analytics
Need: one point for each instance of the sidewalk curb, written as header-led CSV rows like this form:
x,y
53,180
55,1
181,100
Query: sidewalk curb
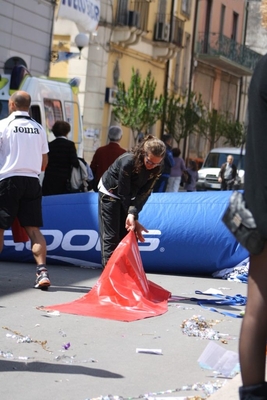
x,y
229,391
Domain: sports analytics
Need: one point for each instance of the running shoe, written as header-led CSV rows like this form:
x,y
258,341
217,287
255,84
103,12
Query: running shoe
x,y
42,280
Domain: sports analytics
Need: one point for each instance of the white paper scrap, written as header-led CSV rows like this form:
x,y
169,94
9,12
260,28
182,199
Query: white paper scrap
x,y
216,358
213,291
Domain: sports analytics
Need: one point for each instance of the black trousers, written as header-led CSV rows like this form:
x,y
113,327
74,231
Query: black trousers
x,y
227,184
111,219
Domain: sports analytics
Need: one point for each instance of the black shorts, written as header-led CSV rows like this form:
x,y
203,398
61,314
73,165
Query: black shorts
x,y
21,197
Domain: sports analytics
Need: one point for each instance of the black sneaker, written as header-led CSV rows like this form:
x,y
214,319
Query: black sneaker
x,y
42,280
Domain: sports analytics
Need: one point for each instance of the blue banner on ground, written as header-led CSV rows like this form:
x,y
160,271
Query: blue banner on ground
x,y
186,234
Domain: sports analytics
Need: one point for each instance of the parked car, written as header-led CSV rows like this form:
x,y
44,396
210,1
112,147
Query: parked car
x,y
209,172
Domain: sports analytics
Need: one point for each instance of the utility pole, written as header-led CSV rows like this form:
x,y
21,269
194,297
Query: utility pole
x,y
192,61
167,68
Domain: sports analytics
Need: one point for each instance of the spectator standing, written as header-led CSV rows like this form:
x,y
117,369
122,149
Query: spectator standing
x,y
123,191
23,154
176,171
227,174
161,184
106,155
61,159
192,171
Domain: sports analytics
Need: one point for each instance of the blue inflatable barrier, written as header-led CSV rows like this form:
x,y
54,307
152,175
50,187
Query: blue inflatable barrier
x,y
186,234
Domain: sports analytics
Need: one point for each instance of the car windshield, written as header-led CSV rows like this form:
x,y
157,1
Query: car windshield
x,y
215,160
3,109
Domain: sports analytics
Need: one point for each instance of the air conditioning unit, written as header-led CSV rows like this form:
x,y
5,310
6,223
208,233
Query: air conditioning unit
x,y
110,96
162,31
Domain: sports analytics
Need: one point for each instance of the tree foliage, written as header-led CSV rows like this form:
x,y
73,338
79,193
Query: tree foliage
x,y
215,125
137,107
182,115
234,132
212,126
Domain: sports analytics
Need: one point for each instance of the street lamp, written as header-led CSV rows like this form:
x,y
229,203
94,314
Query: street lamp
x,y
81,40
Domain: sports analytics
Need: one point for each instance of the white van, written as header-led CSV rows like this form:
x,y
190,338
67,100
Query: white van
x,y
209,172
51,100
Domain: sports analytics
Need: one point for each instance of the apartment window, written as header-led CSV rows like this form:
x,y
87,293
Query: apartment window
x,y
142,9
162,6
186,7
222,19
235,24
177,31
162,11
122,12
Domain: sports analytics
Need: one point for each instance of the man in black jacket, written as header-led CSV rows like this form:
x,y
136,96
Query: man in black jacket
x,y
62,157
227,174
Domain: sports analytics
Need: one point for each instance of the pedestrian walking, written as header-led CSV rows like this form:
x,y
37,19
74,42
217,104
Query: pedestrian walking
x,y
177,169
23,154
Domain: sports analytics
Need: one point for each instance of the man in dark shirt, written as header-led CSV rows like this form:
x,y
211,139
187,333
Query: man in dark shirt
x,y
106,155
61,159
162,182
227,174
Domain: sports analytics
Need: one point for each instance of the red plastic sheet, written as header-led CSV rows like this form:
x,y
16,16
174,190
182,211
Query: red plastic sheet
x,y
18,232
122,292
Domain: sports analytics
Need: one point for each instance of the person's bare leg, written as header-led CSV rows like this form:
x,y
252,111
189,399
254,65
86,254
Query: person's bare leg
x,y
38,247
38,244
252,345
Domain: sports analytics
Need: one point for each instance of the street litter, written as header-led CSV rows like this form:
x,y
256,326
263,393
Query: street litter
x,y
26,339
207,388
239,273
197,326
71,359
222,362
221,300
149,351
66,346
9,355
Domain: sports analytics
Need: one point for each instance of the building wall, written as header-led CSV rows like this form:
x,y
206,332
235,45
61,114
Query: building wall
x,y
25,30
219,86
126,62
256,37
231,6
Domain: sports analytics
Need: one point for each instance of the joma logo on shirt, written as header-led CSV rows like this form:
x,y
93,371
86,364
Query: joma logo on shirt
x,y
20,129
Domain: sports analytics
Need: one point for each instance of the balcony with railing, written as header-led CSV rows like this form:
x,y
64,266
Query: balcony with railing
x,y
130,21
222,52
168,36
170,30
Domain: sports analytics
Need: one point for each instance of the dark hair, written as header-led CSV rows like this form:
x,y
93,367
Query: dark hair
x,y
176,152
61,128
150,145
193,165
166,137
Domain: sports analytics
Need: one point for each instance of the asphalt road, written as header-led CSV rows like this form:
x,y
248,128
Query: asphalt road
x,y
101,359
